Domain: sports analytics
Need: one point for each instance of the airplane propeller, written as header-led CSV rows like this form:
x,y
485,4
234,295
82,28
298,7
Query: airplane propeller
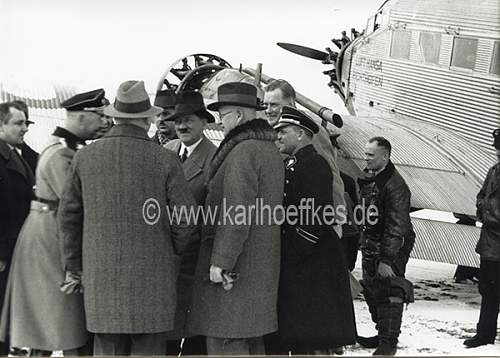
x,y
304,51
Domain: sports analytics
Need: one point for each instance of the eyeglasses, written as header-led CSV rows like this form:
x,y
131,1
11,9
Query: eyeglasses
x,y
222,115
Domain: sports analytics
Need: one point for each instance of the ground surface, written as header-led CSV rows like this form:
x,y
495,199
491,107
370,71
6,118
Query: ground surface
x,y
443,315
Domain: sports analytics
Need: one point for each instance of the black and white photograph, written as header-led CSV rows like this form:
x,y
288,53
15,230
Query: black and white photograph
x,y
278,177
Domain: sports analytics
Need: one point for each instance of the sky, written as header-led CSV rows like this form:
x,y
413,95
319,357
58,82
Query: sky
x,y
97,43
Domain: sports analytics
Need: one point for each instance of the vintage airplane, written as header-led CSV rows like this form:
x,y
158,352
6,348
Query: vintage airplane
x,y
425,75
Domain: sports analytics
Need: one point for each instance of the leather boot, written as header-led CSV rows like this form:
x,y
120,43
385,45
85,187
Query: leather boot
x,y
389,326
385,349
368,342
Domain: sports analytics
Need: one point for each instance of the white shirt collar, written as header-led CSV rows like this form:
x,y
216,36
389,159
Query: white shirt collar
x,y
190,149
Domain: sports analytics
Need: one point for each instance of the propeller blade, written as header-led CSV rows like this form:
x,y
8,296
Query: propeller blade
x,y
304,51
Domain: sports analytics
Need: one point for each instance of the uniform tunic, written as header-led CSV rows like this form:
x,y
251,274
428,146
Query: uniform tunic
x,y
40,316
315,308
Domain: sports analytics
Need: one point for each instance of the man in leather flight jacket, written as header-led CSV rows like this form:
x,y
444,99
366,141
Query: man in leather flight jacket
x,y
387,241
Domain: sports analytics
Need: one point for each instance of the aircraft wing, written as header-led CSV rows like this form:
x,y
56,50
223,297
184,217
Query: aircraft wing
x,y
445,242
443,170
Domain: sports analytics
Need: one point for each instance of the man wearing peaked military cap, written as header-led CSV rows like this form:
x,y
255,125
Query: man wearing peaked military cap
x,y
293,116
312,263
87,101
41,304
488,247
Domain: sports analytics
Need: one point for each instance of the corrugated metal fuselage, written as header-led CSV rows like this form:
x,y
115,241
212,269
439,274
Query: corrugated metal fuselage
x,y
435,61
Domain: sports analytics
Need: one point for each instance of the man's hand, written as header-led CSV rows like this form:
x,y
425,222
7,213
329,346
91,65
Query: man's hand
x,y
215,274
385,270
72,283
3,266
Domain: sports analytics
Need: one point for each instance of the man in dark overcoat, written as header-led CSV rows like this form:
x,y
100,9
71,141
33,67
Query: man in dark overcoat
x,y
315,310
114,226
166,99
237,251
16,190
195,152
488,247
28,153
386,243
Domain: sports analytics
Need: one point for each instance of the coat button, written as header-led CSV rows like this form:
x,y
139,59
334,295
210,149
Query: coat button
x,y
284,194
287,181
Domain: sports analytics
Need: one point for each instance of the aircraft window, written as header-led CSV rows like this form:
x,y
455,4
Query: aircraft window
x,y
400,45
495,61
430,44
464,52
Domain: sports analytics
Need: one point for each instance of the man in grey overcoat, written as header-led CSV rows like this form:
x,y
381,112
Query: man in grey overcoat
x,y
114,228
195,152
242,255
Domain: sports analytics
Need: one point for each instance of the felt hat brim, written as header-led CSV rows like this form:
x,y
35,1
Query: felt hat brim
x,y
216,105
111,111
205,114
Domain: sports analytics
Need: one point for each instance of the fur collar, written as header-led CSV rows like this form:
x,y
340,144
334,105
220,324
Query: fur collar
x,y
258,129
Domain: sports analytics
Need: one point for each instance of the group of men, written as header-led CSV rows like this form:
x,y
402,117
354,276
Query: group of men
x,y
153,285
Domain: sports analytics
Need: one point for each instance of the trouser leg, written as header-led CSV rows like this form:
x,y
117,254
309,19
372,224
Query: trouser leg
x,y
173,347
273,345
372,306
389,322
106,344
148,344
238,346
195,345
489,282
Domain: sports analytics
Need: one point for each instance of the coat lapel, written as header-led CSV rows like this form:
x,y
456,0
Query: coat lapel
x,y
195,162
16,163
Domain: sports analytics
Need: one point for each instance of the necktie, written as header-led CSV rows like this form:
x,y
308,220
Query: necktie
x,y
184,155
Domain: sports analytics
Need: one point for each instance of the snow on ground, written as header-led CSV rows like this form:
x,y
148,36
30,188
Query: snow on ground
x,y
443,315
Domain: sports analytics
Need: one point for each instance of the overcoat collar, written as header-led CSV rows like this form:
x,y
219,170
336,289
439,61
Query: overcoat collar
x,y
258,129
15,165
72,141
127,130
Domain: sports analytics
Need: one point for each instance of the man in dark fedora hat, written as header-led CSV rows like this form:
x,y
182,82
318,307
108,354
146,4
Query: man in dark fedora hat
x,y
113,229
195,152
315,310
166,99
236,282
488,247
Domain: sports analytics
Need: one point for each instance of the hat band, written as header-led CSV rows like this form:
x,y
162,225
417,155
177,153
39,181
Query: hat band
x,y
135,107
238,98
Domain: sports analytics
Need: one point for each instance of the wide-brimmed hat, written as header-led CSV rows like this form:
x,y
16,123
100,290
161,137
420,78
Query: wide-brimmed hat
x,y
165,99
293,116
236,94
190,102
132,101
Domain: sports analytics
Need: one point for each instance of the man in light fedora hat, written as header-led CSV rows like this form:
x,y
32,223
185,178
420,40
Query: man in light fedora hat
x,y
195,152
113,229
236,280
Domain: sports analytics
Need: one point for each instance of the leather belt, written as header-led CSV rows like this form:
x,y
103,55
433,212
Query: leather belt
x,y
44,204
